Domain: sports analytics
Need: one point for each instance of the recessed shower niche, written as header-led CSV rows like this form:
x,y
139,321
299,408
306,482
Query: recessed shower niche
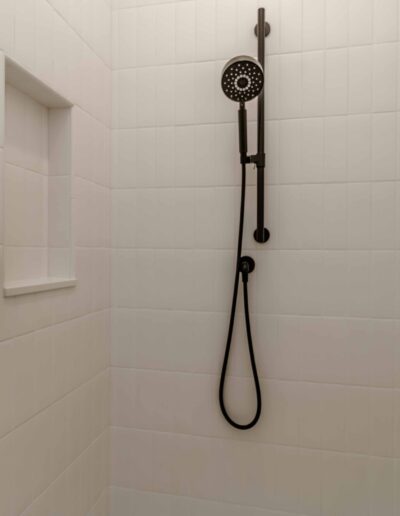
x,y
37,185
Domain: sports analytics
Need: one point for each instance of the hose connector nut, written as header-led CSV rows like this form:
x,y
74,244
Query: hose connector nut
x,y
246,266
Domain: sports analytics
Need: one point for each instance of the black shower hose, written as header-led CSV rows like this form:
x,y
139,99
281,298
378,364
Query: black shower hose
x,y
244,272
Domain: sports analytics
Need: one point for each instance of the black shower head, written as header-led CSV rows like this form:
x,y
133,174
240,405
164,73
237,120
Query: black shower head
x,y
242,78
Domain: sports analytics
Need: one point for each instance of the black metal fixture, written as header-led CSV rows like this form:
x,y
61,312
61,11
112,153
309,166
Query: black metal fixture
x,y
243,80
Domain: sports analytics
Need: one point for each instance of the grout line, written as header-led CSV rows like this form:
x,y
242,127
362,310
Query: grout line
x,y
252,249
90,445
58,400
258,443
31,246
107,123
322,117
104,491
256,314
250,185
80,36
53,325
265,379
276,512
222,59
148,4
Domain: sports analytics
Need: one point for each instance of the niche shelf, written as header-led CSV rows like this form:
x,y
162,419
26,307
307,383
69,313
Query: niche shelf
x,y
36,176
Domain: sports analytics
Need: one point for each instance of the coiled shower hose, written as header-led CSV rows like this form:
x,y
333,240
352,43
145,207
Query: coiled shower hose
x,y
242,267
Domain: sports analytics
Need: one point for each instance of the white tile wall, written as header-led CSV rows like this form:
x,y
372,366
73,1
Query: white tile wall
x,y
325,297
54,399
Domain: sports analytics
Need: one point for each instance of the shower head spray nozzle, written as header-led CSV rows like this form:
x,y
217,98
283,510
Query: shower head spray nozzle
x,y
242,79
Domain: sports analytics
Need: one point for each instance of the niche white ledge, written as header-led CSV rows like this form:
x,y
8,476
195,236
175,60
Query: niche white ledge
x,y
46,284
36,174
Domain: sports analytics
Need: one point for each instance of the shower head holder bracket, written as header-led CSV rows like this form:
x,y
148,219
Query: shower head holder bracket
x,y
257,159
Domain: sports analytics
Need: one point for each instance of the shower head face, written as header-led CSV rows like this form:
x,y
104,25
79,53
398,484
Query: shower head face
x,y
242,79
